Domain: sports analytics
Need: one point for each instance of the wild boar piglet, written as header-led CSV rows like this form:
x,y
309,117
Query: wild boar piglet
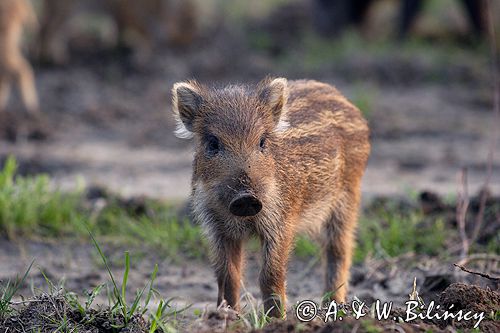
x,y
270,160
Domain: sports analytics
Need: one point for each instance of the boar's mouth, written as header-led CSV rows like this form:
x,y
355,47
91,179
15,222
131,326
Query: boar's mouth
x,y
245,204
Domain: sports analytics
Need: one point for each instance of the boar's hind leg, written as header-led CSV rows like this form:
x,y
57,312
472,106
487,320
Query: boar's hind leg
x,y
339,241
273,275
227,260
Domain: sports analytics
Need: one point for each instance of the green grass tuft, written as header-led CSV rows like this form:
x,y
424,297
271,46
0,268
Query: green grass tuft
x,y
390,233
30,207
305,247
9,290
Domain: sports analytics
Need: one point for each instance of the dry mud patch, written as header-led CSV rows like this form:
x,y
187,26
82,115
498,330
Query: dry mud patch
x,y
191,283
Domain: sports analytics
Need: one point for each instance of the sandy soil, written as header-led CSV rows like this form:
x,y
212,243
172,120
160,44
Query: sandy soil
x,y
79,268
38,313
192,281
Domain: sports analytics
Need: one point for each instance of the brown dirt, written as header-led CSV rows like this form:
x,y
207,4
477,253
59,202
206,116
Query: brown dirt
x,y
466,297
45,313
470,298
38,312
191,282
474,299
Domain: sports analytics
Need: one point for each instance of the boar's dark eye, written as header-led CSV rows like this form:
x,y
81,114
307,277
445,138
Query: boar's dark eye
x,y
262,143
213,145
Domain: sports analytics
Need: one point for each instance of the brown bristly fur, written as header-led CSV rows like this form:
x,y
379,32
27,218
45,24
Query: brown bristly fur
x,y
307,176
14,15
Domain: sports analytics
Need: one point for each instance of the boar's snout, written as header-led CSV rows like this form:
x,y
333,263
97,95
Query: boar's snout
x,y
245,204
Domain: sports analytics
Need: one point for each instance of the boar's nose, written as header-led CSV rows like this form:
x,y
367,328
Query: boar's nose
x,y
245,205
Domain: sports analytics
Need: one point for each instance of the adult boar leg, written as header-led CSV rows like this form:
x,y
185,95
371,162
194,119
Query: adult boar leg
x,y
4,92
26,82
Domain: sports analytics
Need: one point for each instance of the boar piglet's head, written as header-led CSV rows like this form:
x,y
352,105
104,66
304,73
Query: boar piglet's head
x,y
237,134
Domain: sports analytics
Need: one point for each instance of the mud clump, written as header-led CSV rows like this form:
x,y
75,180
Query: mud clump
x,y
470,298
224,319
50,313
474,299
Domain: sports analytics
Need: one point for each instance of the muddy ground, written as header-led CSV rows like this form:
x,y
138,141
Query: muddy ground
x,y
107,122
191,283
468,299
76,266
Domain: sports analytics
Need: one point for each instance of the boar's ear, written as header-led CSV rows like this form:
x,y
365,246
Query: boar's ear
x,y
186,101
274,94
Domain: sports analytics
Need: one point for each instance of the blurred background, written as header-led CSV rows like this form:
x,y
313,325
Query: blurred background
x,y
421,72
90,107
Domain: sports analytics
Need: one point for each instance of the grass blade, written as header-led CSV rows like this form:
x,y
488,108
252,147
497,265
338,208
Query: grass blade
x,y
151,289
116,292
125,275
11,289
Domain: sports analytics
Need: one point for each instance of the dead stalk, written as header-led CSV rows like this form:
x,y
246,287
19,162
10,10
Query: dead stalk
x,y
462,206
463,197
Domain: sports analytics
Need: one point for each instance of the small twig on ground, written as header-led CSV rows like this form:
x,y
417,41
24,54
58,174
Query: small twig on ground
x,y
494,279
484,262
27,301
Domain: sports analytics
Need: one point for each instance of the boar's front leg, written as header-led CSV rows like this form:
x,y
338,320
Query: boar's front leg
x,y
227,260
275,254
